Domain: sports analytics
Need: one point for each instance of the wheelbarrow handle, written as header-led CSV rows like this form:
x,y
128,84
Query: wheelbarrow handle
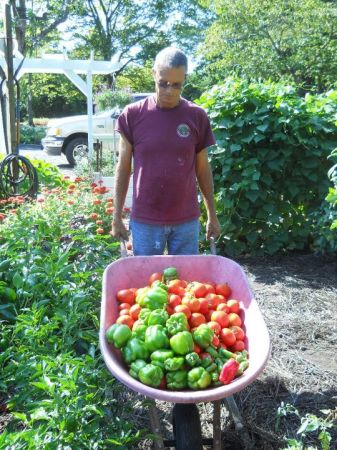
x,y
212,245
123,249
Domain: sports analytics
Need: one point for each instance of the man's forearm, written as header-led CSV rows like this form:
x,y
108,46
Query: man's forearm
x,y
205,181
122,179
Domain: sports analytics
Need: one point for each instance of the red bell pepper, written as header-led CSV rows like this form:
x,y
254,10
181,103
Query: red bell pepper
x,y
229,371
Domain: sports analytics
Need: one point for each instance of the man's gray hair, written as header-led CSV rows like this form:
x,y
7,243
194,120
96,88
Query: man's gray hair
x,y
170,57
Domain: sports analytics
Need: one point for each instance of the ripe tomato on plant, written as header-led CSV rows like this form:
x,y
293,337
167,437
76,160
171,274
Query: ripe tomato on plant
x,y
223,289
126,296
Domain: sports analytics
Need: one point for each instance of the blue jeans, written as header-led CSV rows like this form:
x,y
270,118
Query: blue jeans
x,y
149,239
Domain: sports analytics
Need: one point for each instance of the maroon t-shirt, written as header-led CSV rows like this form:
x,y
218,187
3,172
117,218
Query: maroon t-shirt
x,y
165,143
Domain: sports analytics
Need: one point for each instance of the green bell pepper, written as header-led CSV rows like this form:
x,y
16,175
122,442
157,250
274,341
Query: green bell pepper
x,y
177,379
151,375
157,317
203,335
134,349
159,284
182,343
156,338
170,273
144,315
192,359
158,357
176,323
138,330
198,378
118,335
226,354
155,298
173,364
135,367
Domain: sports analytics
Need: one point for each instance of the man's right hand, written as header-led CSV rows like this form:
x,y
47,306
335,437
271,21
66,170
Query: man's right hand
x,y
118,230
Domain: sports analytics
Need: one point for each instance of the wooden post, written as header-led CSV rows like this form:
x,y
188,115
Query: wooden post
x,y
9,71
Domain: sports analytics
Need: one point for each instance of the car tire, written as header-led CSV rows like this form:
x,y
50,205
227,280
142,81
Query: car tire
x,y
76,148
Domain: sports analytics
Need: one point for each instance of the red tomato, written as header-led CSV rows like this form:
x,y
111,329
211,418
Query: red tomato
x,y
208,315
176,286
126,296
221,317
196,319
154,277
124,306
213,301
184,309
126,320
198,289
214,326
223,307
125,312
223,289
192,302
174,300
170,310
134,311
210,288
215,341
203,305
234,319
196,348
239,346
239,333
233,305
227,337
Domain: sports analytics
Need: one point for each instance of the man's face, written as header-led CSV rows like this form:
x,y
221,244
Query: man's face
x,y
169,83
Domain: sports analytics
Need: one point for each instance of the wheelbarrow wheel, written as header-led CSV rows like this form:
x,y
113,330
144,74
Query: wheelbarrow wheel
x,y
186,427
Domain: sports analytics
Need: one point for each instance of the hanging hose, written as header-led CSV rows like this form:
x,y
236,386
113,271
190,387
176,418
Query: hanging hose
x,y
18,177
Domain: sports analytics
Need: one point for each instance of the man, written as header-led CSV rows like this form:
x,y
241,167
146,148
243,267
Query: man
x,y
167,138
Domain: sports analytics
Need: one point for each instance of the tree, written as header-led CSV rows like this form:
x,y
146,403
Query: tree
x,y
292,39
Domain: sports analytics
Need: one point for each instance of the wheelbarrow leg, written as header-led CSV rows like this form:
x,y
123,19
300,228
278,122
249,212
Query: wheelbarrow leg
x,y
155,426
216,425
239,423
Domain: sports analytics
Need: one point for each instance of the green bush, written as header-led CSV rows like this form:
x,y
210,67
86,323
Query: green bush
x,y
269,164
31,134
109,99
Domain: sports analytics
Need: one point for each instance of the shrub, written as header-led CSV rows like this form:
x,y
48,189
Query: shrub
x,y
269,164
109,99
31,134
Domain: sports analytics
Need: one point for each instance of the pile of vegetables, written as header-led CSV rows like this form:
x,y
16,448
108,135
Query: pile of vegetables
x,y
175,334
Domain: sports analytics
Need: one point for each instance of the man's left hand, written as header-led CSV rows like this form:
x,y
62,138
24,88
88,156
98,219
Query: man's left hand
x,y
213,228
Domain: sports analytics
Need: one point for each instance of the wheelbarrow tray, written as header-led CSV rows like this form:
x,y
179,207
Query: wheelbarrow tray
x,y
134,271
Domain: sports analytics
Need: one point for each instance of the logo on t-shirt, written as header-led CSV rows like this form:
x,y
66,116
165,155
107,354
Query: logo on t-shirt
x,y
183,130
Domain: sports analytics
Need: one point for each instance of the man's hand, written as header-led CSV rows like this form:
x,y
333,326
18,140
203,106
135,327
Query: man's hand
x,y
213,228
118,230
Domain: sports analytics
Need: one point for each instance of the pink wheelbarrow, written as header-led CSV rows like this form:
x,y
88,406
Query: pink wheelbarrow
x,y
134,271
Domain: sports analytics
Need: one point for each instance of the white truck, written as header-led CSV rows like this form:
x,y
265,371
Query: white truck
x,y
69,135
